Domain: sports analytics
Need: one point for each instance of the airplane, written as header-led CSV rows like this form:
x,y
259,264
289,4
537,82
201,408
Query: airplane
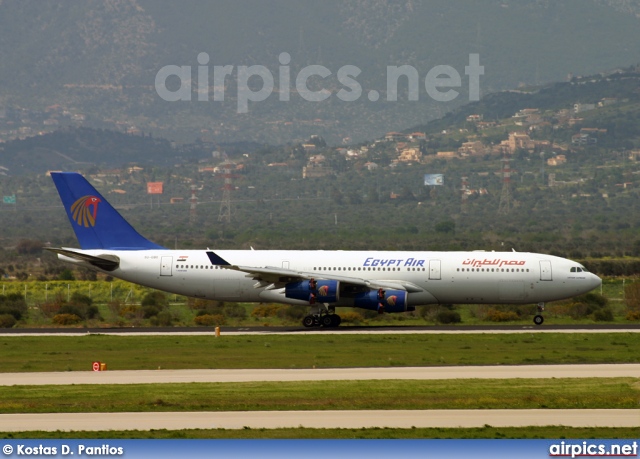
x,y
383,281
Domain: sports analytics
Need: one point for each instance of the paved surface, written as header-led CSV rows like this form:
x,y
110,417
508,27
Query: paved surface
x,y
318,419
323,374
325,419
345,330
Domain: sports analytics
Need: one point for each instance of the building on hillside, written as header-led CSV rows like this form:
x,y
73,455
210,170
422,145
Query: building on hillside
x,y
447,154
557,160
395,136
417,136
475,147
314,171
579,108
410,155
634,155
606,101
519,141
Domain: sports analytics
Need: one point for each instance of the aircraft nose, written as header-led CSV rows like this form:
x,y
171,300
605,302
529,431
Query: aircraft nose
x,y
595,281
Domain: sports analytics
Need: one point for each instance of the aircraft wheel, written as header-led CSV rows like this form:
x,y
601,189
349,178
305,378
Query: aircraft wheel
x,y
335,320
326,321
309,321
538,319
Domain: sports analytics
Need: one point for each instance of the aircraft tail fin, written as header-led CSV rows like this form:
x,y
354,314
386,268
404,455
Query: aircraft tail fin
x,y
96,223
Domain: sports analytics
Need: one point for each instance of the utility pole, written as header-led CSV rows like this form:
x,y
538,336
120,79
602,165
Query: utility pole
x,y
225,205
505,197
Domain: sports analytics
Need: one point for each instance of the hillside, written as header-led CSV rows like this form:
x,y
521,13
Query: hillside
x,y
99,59
574,152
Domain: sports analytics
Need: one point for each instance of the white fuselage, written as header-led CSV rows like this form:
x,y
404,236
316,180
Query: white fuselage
x,y
434,277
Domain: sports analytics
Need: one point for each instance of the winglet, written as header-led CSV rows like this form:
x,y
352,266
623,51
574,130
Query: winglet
x,y
217,260
96,223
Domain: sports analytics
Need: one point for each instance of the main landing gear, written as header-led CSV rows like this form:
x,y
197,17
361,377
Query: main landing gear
x,y
324,320
321,314
538,319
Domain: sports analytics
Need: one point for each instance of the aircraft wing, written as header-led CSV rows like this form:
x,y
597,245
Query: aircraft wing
x,y
281,276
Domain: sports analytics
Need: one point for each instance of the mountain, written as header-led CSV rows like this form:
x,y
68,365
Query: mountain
x,y
101,58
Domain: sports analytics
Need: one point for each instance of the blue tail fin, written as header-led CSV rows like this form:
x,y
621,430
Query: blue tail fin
x,y
96,223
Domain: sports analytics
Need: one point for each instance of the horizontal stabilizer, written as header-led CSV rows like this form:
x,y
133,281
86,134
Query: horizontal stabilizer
x,y
105,262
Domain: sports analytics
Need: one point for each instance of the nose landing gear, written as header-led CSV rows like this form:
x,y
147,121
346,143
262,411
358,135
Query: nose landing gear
x,y
538,319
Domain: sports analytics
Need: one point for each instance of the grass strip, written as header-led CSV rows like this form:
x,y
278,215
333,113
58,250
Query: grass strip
x,y
326,395
487,432
64,353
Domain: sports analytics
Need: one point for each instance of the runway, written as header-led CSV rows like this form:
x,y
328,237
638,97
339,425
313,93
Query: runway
x,y
323,374
320,419
345,330
404,419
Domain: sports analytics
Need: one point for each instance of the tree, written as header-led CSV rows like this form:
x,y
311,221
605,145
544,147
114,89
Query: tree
x,y
446,227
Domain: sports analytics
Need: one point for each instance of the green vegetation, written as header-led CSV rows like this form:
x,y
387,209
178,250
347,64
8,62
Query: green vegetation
x,y
70,353
115,303
462,394
383,433
258,351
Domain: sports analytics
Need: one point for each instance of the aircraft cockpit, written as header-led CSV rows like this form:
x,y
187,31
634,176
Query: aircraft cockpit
x,y
579,269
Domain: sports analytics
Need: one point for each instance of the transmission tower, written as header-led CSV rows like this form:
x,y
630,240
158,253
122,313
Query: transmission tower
x,y
193,205
225,205
505,197
465,195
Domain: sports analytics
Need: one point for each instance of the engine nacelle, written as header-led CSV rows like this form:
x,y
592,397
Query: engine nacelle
x,y
393,301
325,291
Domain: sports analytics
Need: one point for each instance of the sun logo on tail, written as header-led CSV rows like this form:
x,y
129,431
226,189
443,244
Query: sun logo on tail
x,y
85,210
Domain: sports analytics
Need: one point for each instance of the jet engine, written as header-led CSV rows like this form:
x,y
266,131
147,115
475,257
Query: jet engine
x,y
382,301
322,291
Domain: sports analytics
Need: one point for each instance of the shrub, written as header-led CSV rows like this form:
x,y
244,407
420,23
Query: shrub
x,y
130,311
235,310
633,315
150,311
603,315
157,299
448,317
163,319
632,295
351,317
495,315
83,311
66,319
213,307
13,304
66,275
209,320
265,310
292,312
80,299
50,308
594,300
7,321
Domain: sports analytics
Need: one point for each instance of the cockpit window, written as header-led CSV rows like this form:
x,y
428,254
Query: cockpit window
x,y
579,269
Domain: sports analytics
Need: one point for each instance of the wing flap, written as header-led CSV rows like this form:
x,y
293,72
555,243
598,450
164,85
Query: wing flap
x,y
281,276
